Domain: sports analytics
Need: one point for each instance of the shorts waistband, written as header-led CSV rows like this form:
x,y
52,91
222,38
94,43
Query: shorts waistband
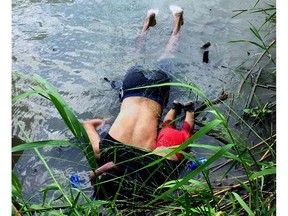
x,y
152,97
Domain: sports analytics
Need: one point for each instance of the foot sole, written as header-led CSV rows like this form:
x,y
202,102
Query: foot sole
x,y
175,9
152,11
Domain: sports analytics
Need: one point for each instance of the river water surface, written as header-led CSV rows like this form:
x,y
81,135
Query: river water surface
x,y
74,44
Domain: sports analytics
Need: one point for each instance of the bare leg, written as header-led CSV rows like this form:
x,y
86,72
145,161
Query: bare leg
x,y
189,117
170,115
150,21
178,22
189,114
175,110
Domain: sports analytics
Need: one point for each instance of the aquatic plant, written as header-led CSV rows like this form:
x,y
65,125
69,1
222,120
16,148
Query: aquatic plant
x,y
252,193
194,196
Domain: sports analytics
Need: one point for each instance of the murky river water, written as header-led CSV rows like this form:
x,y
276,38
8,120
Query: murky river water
x,y
75,44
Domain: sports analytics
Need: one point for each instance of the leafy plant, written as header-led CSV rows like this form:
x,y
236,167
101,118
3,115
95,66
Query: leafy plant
x,y
260,113
175,204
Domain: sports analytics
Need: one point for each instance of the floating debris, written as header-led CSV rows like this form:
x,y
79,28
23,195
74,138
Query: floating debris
x,y
206,45
205,57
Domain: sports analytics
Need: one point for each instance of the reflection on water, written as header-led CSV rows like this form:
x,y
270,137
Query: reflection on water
x,y
75,44
63,161
15,156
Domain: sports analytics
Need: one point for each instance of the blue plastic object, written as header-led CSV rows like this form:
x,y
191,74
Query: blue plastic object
x,y
193,165
75,180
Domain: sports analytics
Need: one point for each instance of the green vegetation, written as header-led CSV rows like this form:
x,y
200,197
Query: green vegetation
x,y
253,193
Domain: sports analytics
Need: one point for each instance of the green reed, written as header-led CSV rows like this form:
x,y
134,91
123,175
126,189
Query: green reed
x,y
252,194
194,194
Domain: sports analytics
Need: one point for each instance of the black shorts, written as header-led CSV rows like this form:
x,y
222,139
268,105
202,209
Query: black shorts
x,y
131,162
138,76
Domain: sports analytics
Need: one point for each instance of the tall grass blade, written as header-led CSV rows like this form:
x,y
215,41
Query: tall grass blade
x,y
42,144
255,32
194,172
69,118
195,136
257,2
249,189
73,208
248,41
48,91
243,204
47,167
26,94
270,171
52,186
92,205
235,210
215,148
16,186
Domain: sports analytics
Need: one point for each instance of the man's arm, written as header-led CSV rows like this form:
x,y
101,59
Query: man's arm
x,y
106,167
91,130
102,171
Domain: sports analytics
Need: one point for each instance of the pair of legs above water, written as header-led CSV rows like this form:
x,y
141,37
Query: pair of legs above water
x,y
150,21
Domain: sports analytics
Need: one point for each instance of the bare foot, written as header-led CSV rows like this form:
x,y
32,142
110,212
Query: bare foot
x,y
178,22
150,20
177,14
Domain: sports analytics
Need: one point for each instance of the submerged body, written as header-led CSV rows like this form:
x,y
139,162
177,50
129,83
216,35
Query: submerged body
x,y
133,135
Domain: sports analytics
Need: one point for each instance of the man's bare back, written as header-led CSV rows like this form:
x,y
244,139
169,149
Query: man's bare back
x,y
137,122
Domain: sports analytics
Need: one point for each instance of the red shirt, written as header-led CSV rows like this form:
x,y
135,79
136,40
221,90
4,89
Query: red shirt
x,y
170,136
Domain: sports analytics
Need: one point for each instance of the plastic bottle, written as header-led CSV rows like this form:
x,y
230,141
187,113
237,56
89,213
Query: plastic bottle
x,y
74,180
193,165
